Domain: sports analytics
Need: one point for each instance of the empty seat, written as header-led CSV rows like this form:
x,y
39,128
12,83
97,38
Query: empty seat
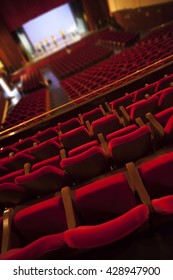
x,y
140,93
165,99
5,151
39,229
122,101
157,176
163,116
45,150
131,147
140,109
46,179
107,211
17,161
106,125
122,132
69,125
47,134
163,83
75,138
26,143
83,148
86,165
11,194
53,161
92,115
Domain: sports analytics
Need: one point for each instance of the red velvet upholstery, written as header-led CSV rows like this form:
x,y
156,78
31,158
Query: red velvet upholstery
x,y
169,131
122,132
163,116
163,205
164,83
37,249
157,176
106,125
69,125
53,161
11,176
122,101
142,107
108,232
17,161
75,138
131,147
45,180
25,143
83,148
166,99
140,93
5,151
92,115
86,165
44,218
47,134
46,150
11,194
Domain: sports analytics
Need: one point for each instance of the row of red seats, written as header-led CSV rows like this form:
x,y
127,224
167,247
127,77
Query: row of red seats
x,y
29,106
107,211
124,65
84,153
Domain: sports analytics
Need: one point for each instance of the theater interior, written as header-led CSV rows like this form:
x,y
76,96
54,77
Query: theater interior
x,y
86,130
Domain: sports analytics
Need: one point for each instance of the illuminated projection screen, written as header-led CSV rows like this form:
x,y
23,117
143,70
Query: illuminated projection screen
x,y
50,24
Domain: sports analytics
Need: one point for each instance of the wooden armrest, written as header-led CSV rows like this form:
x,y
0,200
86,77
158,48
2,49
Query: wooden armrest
x,y
125,115
147,96
6,234
68,207
104,144
27,168
155,125
139,122
63,154
89,128
80,119
102,109
108,107
136,182
35,144
11,155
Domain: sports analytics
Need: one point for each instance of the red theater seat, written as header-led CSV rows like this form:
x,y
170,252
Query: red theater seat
x,y
46,134
131,147
75,138
46,179
69,125
86,165
108,212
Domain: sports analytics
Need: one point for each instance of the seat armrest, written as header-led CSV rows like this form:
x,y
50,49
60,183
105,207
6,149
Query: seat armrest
x,y
104,144
125,115
27,168
136,183
108,107
80,118
68,207
63,154
139,122
102,109
88,126
8,215
155,125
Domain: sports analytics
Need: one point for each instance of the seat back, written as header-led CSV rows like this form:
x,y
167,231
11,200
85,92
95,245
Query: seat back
x,y
166,99
157,176
75,138
122,101
69,125
86,165
46,150
106,125
41,219
131,147
92,115
104,200
141,108
45,180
